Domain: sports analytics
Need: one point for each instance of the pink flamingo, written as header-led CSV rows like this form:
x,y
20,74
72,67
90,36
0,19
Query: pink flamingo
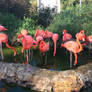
x,y
39,38
54,38
88,39
38,33
66,36
44,47
47,34
73,46
4,39
27,43
80,35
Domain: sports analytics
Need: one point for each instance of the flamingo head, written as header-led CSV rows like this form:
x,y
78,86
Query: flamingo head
x,y
2,28
19,37
82,31
24,32
64,31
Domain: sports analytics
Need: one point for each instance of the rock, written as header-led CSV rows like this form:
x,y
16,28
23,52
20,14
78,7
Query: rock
x,y
46,80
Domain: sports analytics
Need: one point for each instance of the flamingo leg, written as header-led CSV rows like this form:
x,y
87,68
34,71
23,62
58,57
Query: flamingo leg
x,y
70,59
45,58
75,62
1,51
27,57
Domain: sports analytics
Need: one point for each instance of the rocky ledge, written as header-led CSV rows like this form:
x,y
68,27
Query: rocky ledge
x,y
46,80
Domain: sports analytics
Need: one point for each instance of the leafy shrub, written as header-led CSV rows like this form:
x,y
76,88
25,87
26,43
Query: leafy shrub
x,y
74,19
15,25
29,24
45,16
11,22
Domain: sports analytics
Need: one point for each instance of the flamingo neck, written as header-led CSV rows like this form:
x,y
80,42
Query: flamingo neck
x,y
7,45
80,45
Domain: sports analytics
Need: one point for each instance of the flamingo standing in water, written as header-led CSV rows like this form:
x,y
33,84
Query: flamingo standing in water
x,y
44,47
74,46
88,39
67,37
27,42
4,39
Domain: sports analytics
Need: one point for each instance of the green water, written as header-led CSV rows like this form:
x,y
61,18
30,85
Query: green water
x,y
58,62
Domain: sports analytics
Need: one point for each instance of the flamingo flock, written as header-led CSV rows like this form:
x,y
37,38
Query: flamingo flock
x,y
41,41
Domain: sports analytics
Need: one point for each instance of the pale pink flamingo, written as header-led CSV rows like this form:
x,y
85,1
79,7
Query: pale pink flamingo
x,y
73,46
67,37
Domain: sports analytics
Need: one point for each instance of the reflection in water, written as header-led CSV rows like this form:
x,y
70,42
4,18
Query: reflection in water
x,y
8,88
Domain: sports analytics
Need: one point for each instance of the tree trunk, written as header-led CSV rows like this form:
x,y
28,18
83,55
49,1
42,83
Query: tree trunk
x,y
46,80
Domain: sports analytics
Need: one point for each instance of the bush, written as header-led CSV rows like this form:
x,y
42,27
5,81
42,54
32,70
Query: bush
x,y
15,25
74,19
11,22
45,17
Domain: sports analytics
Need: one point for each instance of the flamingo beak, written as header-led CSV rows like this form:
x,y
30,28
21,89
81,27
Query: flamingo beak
x,y
62,32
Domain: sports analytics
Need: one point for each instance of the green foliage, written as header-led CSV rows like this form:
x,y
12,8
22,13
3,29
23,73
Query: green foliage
x,y
73,19
28,24
87,19
11,22
45,17
15,25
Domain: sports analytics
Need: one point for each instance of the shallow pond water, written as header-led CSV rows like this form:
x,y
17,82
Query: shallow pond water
x,y
59,62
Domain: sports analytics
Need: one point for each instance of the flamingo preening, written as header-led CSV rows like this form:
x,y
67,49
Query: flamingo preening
x,y
4,39
44,47
74,46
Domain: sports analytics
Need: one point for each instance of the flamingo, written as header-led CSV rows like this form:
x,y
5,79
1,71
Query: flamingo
x,y
80,35
54,38
38,33
88,39
27,42
74,46
47,34
2,28
39,38
66,36
44,47
4,39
